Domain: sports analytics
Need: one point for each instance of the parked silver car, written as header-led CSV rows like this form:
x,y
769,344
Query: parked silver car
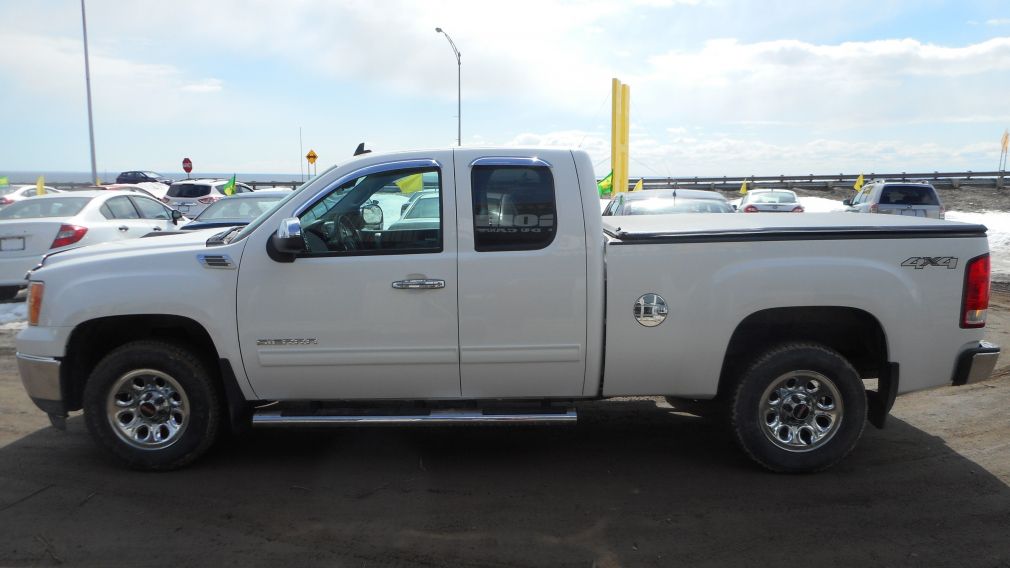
x,y
664,201
770,201
916,199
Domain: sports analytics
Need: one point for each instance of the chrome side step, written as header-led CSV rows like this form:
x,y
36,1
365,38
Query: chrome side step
x,y
435,417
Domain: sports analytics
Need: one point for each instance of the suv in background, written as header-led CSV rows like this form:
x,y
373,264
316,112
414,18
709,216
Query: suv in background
x,y
913,198
192,196
141,177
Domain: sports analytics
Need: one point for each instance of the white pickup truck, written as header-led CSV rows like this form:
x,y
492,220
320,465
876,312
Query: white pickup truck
x,y
502,297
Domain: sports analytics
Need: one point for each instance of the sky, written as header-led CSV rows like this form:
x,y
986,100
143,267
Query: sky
x,y
718,87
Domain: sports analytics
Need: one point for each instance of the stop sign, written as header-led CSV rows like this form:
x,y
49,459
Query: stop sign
x,y
187,165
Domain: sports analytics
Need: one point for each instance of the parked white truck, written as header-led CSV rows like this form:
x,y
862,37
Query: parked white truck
x,y
506,300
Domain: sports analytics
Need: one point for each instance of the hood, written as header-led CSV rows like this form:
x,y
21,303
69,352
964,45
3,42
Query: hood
x,y
174,242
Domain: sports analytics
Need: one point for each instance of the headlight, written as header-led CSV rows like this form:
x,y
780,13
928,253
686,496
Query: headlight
x,y
35,291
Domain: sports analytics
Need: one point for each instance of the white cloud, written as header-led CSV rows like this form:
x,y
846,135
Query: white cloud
x,y
205,86
998,21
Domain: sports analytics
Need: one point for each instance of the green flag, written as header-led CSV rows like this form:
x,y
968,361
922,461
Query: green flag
x,y
606,185
4,182
229,188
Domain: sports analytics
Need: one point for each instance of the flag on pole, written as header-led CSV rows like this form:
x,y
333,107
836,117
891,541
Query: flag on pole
x,y
743,188
4,182
1006,138
410,184
859,183
229,188
638,186
606,185
40,186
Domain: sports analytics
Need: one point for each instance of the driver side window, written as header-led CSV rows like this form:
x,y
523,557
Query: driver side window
x,y
389,212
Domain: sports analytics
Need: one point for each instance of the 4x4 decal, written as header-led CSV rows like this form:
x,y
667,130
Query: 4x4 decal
x,y
920,262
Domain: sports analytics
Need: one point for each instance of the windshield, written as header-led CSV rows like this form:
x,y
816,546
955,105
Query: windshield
x,y
246,208
669,205
152,174
255,223
38,208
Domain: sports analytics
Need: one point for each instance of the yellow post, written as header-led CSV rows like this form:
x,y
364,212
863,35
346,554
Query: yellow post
x,y
615,133
625,135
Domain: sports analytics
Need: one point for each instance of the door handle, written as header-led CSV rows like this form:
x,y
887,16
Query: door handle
x,y
124,228
419,284
156,229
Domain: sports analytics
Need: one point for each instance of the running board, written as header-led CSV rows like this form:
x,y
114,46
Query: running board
x,y
435,417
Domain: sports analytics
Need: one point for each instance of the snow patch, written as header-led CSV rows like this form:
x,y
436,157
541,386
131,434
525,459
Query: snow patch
x,y
13,315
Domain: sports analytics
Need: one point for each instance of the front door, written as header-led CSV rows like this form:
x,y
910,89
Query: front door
x,y
369,310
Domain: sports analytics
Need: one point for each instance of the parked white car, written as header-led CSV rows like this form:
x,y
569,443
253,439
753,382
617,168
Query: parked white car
x,y
192,196
34,227
770,201
15,193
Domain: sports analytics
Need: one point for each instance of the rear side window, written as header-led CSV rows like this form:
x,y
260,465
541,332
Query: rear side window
x,y
121,208
188,190
908,195
513,207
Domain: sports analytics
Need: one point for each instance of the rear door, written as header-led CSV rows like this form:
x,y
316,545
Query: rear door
x,y
522,276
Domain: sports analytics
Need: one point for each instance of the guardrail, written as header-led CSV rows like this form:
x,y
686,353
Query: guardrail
x,y
826,182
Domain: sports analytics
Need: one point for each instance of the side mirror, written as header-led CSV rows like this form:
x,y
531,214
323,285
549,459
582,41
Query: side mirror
x,y
288,239
734,208
176,216
847,202
371,214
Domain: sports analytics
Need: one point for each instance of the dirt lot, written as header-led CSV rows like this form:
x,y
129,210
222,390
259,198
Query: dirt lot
x,y
634,484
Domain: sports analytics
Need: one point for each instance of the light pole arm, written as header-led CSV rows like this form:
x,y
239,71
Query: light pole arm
x,y
459,88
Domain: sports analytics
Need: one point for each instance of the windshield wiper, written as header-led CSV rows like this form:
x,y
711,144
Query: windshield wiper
x,y
223,238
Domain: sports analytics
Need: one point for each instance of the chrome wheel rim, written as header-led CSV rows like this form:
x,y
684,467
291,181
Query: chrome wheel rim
x,y
800,411
147,409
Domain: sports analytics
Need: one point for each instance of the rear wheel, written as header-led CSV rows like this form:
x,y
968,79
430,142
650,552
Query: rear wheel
x,y
152,405
799,408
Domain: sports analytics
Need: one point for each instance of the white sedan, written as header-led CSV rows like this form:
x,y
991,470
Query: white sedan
x,y
15,193
34,227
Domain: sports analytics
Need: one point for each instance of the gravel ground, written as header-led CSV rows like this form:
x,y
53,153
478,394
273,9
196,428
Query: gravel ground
x,y
633,484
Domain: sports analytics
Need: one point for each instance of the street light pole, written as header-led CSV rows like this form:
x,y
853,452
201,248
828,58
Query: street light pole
x,y
87,83
459,88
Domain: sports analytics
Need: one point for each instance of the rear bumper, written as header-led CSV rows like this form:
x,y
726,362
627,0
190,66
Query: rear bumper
x,y
976,364
41,378
13,270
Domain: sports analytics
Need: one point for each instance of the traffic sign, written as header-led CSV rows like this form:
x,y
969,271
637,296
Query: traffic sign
x,y
187,165
311,156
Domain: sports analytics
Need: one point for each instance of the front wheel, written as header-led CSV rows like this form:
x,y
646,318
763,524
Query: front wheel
x,y
152,405
799,408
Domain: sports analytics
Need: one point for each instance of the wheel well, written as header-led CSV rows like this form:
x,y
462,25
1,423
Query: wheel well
x,y
854,333
94,339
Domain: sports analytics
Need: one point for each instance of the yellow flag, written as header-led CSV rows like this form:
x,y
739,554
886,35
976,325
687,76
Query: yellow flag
x,y
4,182
638,186
410,184
859,183
1006,138
40,186
743,188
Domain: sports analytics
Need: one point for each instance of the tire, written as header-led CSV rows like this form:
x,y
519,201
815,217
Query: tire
x,y
799,408
9,292
153,405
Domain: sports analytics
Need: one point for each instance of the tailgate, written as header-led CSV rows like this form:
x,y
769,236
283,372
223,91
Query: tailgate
x,y
27,238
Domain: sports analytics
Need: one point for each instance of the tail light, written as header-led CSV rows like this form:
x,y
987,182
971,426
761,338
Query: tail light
x,y
750,209
6,201
798,209
975,301
874,208
208,200
35,290
68,235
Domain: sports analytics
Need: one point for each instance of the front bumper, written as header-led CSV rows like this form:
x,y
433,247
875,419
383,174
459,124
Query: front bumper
x,y
976,364
41,377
